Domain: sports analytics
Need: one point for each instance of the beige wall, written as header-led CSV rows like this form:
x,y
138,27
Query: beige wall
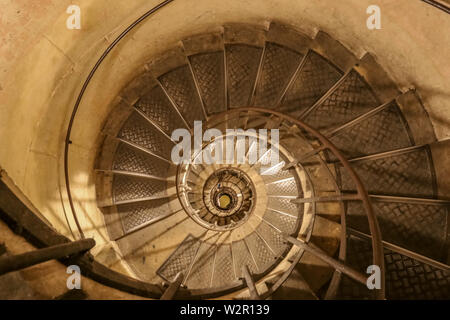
x,y
43,66
46,280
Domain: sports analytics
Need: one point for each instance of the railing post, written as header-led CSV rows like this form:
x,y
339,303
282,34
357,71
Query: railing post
x,y
250,284
28,259
173,287
319,253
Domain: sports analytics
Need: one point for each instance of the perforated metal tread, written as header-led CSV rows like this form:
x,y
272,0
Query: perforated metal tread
x,y
284,206
218,265
286,187
273,239
284,223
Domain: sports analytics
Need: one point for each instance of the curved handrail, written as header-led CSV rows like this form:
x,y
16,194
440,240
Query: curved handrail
x,y
377,246
378,257
80,97
93,71
438,5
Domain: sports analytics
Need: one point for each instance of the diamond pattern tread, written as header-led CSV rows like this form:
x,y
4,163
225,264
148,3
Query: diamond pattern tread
x,y
223,268
264,258
241,256
351,99
284,188
181,259
284,205
131,159
242,67
136,214
273,238
359,256
407,278
135,188
406,174
209,72
200,274
282,222
313,81
384,131
417,227
180,86
276,174
279,65
158,108
139,131
413,226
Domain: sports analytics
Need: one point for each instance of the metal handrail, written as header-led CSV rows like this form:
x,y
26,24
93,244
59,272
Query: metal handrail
x,y
68,142
439,5
362,195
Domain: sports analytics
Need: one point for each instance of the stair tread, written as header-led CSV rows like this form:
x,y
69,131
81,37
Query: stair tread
x,y
242,63
416,227
406,278
294,288
138,131
130,159
243,67
383,131
351,98
404,174
316,76
180,86
278,66
209,71
158,108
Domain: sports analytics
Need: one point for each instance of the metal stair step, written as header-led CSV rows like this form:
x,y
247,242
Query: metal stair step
x,y
294,288
315,77
278,66
352,98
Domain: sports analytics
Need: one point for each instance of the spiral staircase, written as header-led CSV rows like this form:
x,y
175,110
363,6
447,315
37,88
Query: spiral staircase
x,y
329,171
299,228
